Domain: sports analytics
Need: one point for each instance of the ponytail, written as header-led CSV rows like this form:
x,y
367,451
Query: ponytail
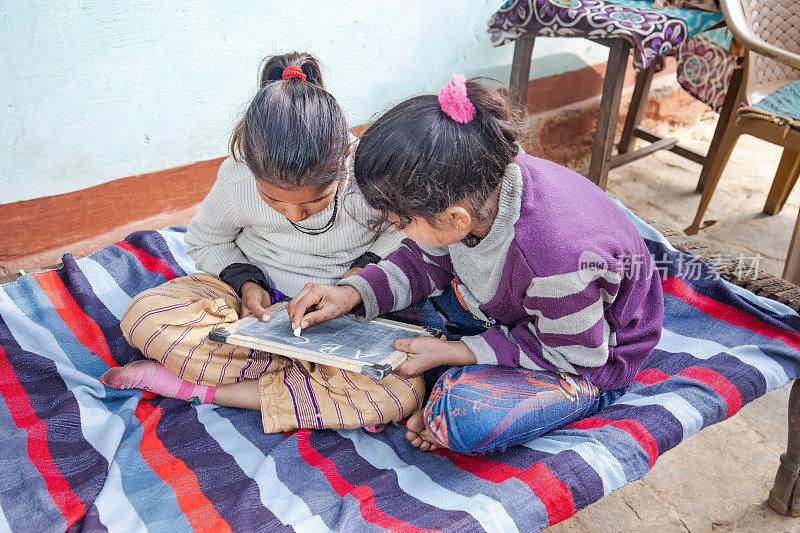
x,y
293,133
273,67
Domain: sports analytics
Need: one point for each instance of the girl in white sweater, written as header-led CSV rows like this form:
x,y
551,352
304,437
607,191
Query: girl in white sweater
x,y
274,220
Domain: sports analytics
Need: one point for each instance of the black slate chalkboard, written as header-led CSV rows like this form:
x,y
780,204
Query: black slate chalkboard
x,y
360,346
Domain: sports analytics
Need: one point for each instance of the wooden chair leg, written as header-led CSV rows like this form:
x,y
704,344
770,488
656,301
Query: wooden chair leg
x,y
607,116
638,102
732,100
785,179
784,498
520,72
791,269
714,173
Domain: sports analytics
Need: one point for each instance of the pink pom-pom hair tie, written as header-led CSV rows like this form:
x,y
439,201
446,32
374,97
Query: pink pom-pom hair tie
x,y
454,101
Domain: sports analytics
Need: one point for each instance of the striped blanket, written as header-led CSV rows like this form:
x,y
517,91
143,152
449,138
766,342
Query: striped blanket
x,y
79,455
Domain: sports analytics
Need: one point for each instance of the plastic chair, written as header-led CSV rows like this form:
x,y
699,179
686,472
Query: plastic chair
x,y
767,101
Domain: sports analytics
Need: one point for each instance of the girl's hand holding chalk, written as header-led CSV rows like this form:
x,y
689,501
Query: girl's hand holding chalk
x,y
318,302
255,300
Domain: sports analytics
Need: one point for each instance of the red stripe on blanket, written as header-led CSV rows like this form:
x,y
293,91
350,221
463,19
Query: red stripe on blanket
x,y
84,328
371,512
553,493
198,509
716,381
631,427
651,375
153,264
727,313
25,418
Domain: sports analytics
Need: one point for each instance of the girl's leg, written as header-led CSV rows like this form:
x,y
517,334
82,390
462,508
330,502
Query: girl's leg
x,y
169,324
483,408
153,377
308,395
245,394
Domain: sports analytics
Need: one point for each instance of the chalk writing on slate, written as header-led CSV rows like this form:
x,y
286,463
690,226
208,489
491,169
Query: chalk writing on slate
x,y
363,342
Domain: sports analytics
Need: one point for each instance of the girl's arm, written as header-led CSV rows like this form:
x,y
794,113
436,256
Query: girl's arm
x,y
406,276
566,328
212,231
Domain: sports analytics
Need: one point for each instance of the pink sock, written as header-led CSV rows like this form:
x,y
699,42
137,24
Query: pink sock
x,y
151,376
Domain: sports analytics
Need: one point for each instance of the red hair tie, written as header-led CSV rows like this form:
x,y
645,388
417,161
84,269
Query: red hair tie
x,y
293,71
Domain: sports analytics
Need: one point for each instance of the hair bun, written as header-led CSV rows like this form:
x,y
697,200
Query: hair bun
x,y
303,66
454,101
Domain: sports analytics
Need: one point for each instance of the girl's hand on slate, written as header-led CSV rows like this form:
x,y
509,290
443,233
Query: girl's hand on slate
x,y
318,302
255,300
429,352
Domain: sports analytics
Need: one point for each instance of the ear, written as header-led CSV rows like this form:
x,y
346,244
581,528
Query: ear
x,y
458,218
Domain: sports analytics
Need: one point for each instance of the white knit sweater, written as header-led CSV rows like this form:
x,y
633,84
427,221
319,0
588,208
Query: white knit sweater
x,y
234,225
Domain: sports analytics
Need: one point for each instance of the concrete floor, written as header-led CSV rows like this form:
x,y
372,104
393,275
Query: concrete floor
x,y
719,479
661,187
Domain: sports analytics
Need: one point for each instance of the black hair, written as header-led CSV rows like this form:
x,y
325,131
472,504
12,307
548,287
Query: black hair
x,y
416,161
293,133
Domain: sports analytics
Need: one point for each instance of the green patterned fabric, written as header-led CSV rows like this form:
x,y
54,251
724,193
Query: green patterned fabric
x,y
785,101
697,20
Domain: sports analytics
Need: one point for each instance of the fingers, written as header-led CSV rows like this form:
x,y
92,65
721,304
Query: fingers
x,y
315,317
328,301
254,301
402,370
258,310
266,301
255,309
307,297
409,368
405,344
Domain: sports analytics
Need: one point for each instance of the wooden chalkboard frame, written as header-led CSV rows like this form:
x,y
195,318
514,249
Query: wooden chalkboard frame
x,y
381,369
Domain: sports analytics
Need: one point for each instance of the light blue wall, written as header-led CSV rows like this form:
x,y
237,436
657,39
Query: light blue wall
x,y
97,90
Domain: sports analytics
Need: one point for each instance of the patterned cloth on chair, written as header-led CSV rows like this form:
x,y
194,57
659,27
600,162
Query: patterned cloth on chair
x,y
704,70
651,32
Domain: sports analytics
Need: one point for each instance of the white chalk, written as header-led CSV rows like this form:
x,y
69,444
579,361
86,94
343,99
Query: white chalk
x,y
297,331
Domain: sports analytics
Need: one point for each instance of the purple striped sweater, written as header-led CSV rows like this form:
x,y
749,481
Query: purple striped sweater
x,y
563,275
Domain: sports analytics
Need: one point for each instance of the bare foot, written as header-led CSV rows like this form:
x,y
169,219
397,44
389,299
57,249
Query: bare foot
x,y
418,435
131,376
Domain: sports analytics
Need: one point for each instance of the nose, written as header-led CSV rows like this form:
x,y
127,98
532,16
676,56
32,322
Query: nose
x,y
296,213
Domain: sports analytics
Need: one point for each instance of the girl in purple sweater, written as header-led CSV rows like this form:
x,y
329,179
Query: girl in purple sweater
x,y
555,292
